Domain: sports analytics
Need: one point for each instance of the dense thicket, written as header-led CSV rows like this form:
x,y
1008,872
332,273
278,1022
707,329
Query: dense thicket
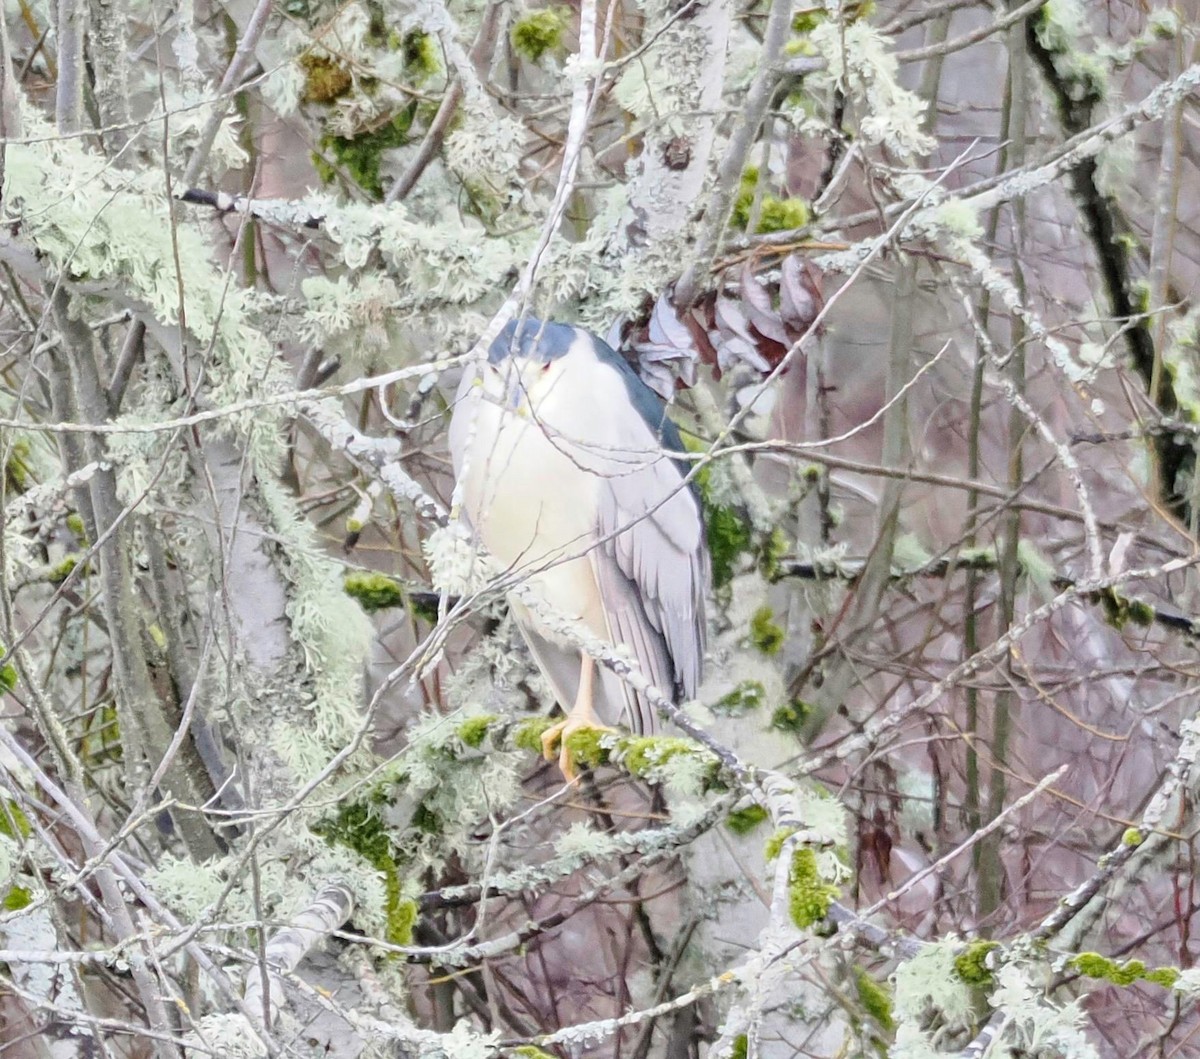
x,y
920,278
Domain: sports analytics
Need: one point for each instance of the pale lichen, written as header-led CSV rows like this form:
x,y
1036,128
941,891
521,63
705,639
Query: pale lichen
x,y
860,61
485,147
930,980
455,564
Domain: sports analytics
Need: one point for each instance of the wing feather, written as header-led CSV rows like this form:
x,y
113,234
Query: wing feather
x,y
652,569
629,625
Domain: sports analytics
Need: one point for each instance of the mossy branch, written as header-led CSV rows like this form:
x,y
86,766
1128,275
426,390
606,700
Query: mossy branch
x,y
1119,609
1076,100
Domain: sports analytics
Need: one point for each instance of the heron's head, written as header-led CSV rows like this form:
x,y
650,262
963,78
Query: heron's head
x,y
529,356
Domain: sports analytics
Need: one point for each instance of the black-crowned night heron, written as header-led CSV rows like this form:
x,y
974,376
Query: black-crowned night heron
x,y
568,480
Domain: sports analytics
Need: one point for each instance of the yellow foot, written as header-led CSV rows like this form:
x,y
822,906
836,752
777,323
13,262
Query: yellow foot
x,y
558,735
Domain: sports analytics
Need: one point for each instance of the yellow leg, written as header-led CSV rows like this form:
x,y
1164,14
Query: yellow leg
x,y
582,715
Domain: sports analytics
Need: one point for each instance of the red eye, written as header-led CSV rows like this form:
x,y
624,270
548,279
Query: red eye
x,y
545,367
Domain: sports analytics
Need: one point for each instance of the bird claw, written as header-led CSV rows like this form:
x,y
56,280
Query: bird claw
x,y
558,734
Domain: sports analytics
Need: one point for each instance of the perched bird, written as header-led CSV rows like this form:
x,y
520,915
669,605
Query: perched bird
x,y
568,480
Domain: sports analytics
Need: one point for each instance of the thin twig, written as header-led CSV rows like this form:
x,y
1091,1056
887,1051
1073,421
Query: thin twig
x,y
934,51
234,72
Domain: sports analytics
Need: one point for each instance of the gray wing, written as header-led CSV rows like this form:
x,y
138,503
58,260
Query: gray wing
x,y
653,577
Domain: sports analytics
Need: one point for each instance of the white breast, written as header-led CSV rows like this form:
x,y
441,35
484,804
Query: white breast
x,y
527,490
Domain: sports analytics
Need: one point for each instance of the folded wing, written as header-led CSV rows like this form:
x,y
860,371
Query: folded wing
x,y
652,570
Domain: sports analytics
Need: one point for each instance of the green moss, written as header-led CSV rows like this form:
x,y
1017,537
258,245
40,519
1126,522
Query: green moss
x,y
474,730
1139,294
875,999
1141,613
425,819
8,674
741,1047
76,526
729,536
528,734
1129,972
359,828
748,695
744,201
16,470
17,898
809,896
1126,973
14,823
727,530
971,964
743,821
1163,976
1120,610
528,1051
401,918
58,573
781,215
156,634
764,633
639,755
774,844
1093,965
774,214
539,32
584,747
421,59
742,205
324,78
642,753
809,18
1114,605
424,607
374,591
354,525
1132,837
792,716
978,558
773,551
361,156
